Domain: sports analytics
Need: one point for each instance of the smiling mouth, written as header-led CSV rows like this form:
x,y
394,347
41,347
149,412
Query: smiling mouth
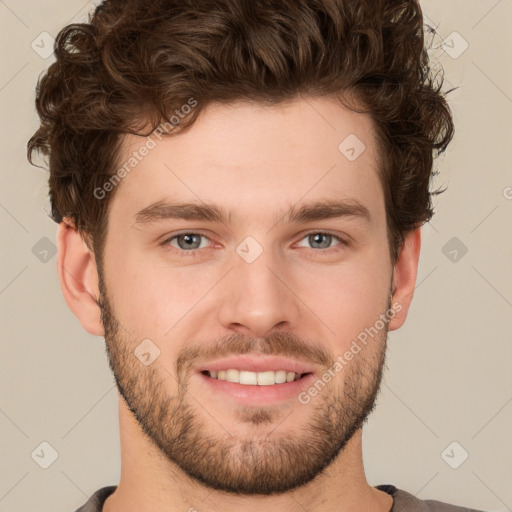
x,y
265,378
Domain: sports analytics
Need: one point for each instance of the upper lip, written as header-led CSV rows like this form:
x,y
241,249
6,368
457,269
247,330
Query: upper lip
x,y
256,364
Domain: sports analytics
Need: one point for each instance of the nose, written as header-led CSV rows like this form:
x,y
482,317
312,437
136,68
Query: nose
x,y
257,298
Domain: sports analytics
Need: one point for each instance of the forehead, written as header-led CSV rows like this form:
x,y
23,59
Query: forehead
x,y
254,158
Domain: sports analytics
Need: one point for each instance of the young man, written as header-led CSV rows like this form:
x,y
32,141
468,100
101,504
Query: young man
x,y
239,188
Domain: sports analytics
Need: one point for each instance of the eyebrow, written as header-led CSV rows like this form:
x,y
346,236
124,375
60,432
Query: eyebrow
x,y
163,210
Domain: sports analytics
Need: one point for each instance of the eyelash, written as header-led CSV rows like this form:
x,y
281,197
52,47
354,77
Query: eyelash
x,y
195,252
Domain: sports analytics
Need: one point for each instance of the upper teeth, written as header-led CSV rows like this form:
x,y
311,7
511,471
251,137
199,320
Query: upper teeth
x,y
267,378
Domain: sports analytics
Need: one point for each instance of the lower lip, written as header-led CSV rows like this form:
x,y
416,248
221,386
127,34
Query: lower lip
x,y
258,395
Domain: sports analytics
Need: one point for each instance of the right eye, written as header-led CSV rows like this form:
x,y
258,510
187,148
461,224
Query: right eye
x,y
186,243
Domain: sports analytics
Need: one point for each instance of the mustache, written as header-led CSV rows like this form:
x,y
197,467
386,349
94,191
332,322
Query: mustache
x,y
276,344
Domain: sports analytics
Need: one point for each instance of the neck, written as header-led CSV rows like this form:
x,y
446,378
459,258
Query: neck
x,y
149,481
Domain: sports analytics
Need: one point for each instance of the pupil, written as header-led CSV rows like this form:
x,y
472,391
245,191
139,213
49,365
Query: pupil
x,y
318,236
189,239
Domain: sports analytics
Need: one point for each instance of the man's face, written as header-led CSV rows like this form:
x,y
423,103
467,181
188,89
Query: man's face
x,y
261,283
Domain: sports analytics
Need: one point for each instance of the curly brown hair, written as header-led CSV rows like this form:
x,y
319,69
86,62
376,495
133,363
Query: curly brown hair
x,y
135,62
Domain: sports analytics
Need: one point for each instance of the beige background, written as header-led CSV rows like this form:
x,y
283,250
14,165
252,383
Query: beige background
x,y
449,374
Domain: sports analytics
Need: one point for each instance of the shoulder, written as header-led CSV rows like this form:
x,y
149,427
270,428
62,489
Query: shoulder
x,y
95,502
406,502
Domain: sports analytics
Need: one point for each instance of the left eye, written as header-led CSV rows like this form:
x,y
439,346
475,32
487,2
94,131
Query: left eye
x,y
322,240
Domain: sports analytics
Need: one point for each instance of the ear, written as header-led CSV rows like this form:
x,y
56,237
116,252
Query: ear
x,y
78,277
404,278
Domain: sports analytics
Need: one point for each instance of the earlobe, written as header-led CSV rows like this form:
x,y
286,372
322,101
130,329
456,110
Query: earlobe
x,y
404,278
78,276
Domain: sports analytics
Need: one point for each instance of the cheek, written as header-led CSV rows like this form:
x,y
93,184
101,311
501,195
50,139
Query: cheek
x,y
348,298
152,299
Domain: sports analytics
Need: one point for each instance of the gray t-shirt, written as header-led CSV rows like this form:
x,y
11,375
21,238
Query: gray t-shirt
x,y
402,501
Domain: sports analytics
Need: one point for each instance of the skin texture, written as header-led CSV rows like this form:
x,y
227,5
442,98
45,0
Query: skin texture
x,y
183,445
